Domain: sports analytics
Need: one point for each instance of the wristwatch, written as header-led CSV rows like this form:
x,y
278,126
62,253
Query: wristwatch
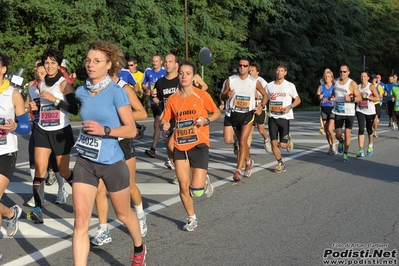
x,y
107,130
57,102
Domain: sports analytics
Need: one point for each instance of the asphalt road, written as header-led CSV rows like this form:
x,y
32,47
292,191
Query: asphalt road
x,y
315,208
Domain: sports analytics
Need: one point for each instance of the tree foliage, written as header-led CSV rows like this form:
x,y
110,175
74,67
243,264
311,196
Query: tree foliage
x,y
309,35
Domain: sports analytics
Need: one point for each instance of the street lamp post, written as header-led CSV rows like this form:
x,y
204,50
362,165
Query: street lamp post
x,y
186,25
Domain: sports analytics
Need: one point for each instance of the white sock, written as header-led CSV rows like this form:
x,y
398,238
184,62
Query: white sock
x,y
104,227
193,217
32,173
139,210
60,181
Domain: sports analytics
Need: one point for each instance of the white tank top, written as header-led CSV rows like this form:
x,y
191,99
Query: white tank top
x,y
8,141
243,100
51,118
341,106
365,106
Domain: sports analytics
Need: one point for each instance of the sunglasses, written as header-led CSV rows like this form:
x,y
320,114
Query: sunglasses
x,y
130,65
343,71
245,66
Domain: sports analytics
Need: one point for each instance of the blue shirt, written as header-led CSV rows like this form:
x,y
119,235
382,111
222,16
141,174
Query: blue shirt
x,y
150,77
127,77
103,108
327,93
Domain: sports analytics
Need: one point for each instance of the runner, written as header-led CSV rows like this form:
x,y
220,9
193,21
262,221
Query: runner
x,y
100,156
324,94
346,94
103,234
53,132
241,89
365,113
189,107
281,93
11,107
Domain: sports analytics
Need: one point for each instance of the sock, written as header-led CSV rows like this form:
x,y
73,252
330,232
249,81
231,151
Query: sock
x,y
193,217
280,161
248,162
32,173
104,227
371,145
41,190
70,179
60,181
138,249
152,148
139,210
37,181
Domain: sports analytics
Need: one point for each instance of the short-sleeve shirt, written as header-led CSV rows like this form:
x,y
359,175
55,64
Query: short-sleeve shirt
x,y
280,96
151,77
103,108
186,111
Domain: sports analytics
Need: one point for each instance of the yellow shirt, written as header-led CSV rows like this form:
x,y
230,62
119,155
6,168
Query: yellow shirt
x,y
138,76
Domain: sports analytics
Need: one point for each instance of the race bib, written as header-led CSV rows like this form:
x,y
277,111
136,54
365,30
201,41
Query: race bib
x,y
3,134
242,103
397,103
363,105
276,107
340,108
49,116
186,132
88,146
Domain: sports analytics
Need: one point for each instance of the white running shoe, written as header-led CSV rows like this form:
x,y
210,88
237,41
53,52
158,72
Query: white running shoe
x,y
209,189
268,145
102,237
175,181
190,225
12,224
62,195
143,225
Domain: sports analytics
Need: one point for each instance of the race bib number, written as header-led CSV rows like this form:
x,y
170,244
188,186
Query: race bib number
x,y
88,146
242,103
325,100
49,116
397,103
363,105
186,132
276,107
340,108
3,134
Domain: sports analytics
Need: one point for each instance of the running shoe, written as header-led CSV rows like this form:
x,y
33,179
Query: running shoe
x,y
175,181
35,215
50,179
345,158
237,175
190,225
150,152
248,167
360,153
375,134
236,147
321,131
334,147
341,146
268,145
370,150
12,225
140,133
169,164
330,151
138,259
291,147
143,225
102,237
209,187
280,168
32,203
394,126
62,195
389,124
